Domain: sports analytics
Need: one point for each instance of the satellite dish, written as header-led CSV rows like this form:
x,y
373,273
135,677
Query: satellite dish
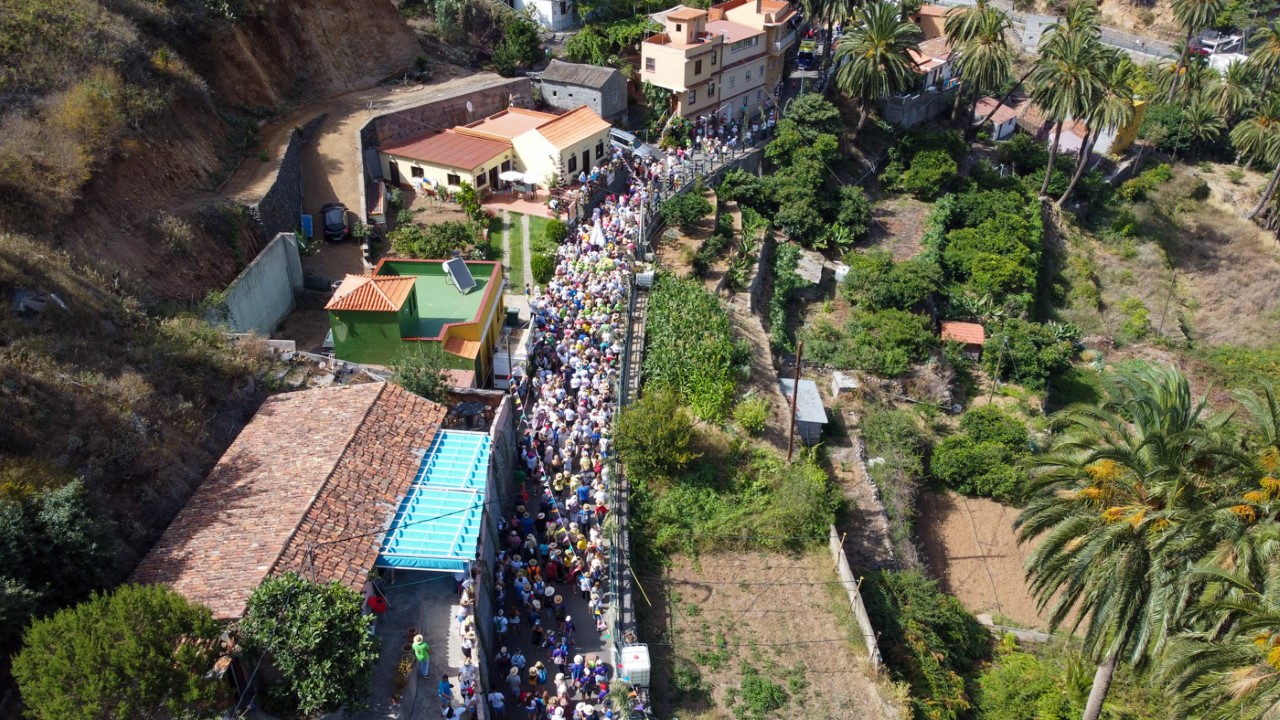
x,y
469,106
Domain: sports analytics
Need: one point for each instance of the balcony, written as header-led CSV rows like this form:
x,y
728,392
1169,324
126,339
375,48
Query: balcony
x,y
783,43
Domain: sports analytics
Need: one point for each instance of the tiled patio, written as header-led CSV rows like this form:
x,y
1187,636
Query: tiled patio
x,y
514,202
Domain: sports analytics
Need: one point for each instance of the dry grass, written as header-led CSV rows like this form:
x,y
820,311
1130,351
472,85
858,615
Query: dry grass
x,y
897,225
717,620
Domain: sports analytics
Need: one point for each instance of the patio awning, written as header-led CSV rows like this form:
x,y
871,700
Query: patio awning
x,y
438,524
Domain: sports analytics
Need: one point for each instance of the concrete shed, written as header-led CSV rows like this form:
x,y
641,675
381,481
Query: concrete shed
x,y
810,415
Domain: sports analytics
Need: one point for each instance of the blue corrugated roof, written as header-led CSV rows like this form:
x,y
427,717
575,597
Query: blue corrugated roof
x,y
438,523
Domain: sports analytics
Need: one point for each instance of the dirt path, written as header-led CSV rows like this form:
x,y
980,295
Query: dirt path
x,y
330,161
865,526
524,250
506,238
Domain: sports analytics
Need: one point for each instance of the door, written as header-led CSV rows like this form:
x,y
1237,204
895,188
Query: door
x,y
493,178
395,173
586,160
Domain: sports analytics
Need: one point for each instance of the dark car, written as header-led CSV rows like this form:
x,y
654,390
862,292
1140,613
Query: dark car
x,y
334,218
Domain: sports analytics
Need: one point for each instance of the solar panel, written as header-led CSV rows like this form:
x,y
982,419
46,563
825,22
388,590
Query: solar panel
x,y
460,274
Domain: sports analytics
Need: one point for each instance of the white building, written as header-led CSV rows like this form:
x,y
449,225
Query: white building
x,y
553,15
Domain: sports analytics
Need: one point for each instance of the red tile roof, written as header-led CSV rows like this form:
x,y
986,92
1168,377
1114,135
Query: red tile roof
x,y
372,293
962,332
573,127
687,13
448,149
310,466
469,349
1002,115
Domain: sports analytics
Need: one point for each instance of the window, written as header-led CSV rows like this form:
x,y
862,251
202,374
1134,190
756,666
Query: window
x,y
758,94
711,90
693,96
573,163
743,44
649,64
453,179
555,93
600,149
697,67
416,171
564,8
761,71
679,27
713,57
748,76
733,81
480,179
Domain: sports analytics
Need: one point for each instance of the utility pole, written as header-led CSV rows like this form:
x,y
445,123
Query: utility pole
x,y
795,392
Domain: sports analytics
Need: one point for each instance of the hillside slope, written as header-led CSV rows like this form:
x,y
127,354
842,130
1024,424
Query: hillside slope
x,y
119,113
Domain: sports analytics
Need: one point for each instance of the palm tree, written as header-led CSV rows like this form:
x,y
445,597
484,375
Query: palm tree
x,y
1258,138
1111,109
1125,502
980,41
1234,89
1202,120
1194,15
1065,80
874,59
1265,54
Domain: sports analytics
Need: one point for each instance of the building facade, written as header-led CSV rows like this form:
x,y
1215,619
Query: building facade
x,y
376,317
539,144
553,15
567,86
727,61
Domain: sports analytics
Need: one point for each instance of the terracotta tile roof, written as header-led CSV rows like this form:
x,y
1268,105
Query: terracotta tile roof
x,y
1003,114
572,127
448,149
364,490
461,378
309,466
507,124
686,13
937,48
372,293
962,332
469,349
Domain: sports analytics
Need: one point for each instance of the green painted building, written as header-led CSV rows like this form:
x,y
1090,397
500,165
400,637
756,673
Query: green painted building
x,y
415,301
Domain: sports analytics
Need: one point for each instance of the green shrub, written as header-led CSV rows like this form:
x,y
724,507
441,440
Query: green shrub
x,y
655,437
439,241
519,48
686,210
894,436
786,282
420,369
876,282
1027,352
1137,320
761,698
1025,153
1235,175
983,461
1018,686
884,342
854,214
932,640
751,414
929,174
555,231
543,267
1136,188
140,651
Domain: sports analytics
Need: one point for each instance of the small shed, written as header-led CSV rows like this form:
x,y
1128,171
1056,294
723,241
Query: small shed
x,y
1004,118
971,335
567,86
810,415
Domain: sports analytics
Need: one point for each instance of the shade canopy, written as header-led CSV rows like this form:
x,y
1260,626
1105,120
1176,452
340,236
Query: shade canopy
x,y
511,175
532,178
437,525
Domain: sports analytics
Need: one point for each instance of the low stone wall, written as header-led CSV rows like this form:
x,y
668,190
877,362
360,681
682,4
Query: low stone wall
x,y
446,112
855,599
280,209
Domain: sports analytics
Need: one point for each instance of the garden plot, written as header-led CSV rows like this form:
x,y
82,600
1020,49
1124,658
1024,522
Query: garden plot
x,y
756,635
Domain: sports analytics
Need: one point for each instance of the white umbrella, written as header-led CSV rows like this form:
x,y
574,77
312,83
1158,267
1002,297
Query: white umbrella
x,y
532,178
511,175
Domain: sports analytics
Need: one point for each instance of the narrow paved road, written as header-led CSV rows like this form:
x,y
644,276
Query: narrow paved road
x,y
528,258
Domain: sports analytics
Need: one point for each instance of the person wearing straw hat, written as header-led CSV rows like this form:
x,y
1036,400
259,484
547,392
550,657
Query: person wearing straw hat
x,y
422,651
513,681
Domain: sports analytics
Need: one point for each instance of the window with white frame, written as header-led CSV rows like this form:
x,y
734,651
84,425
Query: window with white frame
x,y
693,96
650,64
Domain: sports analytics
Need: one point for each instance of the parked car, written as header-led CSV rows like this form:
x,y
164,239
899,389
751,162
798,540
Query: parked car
x,y
334,218
623,140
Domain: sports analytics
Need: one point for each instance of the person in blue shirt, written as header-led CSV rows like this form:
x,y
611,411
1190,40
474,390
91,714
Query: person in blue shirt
x,y
445,691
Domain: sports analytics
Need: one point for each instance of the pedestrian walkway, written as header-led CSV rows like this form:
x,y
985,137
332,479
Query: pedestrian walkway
x,y
528,257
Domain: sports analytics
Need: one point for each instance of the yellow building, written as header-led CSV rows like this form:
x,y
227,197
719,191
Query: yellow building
x,y
536,143
727,60
1126,135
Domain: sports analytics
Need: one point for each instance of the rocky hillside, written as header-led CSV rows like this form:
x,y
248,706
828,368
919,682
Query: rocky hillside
x,y
122,118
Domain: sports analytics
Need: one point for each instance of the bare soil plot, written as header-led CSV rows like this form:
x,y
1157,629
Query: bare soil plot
x,y
897,225
721,618
970,547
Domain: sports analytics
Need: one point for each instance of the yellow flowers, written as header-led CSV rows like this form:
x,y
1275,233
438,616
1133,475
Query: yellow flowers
x,y
1112,514
1270,461
1136,519
1262,640
1273,658
1254,496
1270,484
1246,512
1104,471
1091,493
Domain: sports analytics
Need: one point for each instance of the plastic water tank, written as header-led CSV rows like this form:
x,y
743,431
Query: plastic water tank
x,y
634,665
